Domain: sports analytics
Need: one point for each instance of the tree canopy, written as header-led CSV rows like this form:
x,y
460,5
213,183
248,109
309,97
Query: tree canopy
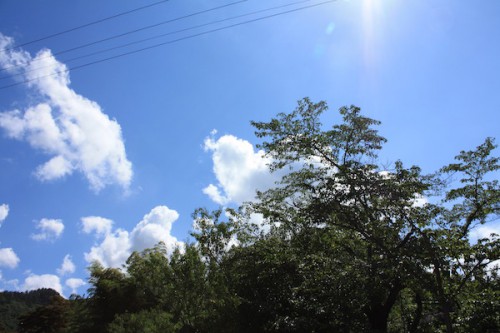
x,y
347,244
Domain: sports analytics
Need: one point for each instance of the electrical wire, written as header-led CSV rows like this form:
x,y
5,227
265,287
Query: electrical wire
x,y
158,36
85,25
170,42
135,30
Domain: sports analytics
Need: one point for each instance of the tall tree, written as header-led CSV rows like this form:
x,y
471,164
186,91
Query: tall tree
x,y
151,276
457,263
110,294
335,186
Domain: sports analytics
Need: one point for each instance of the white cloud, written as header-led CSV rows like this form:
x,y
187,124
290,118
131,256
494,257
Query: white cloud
x,y
214,193
4,212
8,258
239,169
113,251
74,284
420,201
100,225
117,245
485,231
68,127
67,266
50,229
155,227
56,167
34,282
9,284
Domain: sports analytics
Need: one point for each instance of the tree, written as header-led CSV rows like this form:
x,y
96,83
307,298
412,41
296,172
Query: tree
x,y
458,265
151,276
15,304
215,237
111,294
52,318
146,321
336,187
348,245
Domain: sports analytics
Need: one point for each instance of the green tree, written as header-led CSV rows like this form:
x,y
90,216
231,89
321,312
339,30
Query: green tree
x,y
457,265
15,304
151,276
52,318
348,245
111,293
146,321
336,187
215,237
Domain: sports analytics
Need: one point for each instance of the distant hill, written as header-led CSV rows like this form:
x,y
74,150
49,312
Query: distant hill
x,y
14,304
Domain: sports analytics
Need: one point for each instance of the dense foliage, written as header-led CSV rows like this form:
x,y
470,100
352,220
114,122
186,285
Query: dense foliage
x,y
15,304
345,245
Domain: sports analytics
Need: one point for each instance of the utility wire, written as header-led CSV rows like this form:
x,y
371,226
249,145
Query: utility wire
x,y
85,25
160,36
171,42
135,30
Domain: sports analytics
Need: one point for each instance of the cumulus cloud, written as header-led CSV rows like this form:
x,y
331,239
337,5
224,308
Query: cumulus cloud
x,y
71,129
4,212
485,231
8,258
117,245
34,282
67,266
74,284
113,251
155,227
239,169
50,229
99,225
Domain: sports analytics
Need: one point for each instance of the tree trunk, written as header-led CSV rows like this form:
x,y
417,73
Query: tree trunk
x,y
378,313
418,314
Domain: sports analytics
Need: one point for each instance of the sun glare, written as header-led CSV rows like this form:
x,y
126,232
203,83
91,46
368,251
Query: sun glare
x,y
370,11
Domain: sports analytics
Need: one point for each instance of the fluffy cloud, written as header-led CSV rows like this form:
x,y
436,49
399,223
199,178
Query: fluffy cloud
x,y
239,169
4,212
74,284
101,226
68,127
8,258
117,245
50,229
113,251
155,227
67,266
34,282
485,231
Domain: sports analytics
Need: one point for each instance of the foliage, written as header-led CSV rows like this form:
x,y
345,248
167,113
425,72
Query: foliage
x,y
51,318
146,321
336,185
347,245
15,304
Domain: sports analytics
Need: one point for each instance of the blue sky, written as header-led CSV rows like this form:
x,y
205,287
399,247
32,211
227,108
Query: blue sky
x,y
103,160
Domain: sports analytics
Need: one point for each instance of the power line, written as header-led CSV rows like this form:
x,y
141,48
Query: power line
x,y
171,42
136,30
86,25
158,36
149,27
